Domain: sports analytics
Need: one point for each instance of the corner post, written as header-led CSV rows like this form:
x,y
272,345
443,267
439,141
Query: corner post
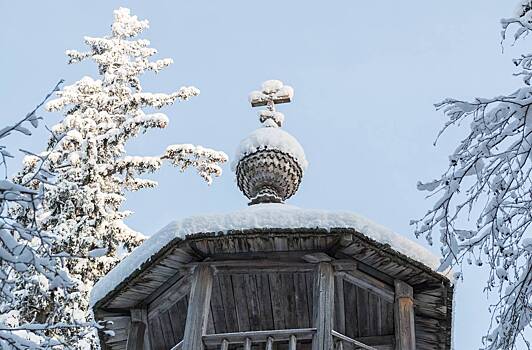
x,y
198,307
323,307
137,330
405,336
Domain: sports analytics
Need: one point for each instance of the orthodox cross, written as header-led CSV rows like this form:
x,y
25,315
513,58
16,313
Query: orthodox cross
x,y
273,92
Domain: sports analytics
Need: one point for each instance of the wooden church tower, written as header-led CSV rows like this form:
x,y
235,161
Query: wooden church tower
x,y
273,276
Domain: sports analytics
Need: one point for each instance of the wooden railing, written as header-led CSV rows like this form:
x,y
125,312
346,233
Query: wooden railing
x,y
340,339
222,341
247,339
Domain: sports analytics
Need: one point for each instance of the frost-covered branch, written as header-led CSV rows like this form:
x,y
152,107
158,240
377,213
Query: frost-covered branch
x,y
26,257
484,208
86,153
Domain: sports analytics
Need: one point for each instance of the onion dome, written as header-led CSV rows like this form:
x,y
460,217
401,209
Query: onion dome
x,y
269,162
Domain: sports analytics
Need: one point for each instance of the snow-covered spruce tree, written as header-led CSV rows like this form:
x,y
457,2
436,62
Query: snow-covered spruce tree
x,y
26,251
489,180
87,154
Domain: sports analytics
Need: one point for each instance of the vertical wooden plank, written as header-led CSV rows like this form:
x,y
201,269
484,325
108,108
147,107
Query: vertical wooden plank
x,y
291,315
168,332
228,300
405,336
278,300
309,283
225,345
266,313
387,318
156,334
175,321
323,307
135,338
351,306
339,305
300,291
374,321
137,329
252,294
217,307
363,311
144,318
198,307
241,303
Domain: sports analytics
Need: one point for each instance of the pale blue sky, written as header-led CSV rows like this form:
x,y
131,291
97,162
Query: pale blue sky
x,y
365,74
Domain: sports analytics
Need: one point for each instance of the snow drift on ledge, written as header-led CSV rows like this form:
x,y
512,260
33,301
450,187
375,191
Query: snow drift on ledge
x,y
258,216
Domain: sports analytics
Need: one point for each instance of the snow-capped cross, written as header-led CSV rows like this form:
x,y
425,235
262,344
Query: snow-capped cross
x,y
273,92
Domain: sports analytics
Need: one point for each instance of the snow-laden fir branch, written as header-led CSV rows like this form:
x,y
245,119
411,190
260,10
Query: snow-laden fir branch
x,y
86,152
489,179
25,248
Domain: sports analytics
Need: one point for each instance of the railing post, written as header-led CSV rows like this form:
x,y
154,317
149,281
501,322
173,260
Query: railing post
x,y
405,336
292,343
198,308
247,344
323,306
269,343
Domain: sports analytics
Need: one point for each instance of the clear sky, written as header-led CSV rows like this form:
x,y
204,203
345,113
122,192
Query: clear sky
x,y
366,75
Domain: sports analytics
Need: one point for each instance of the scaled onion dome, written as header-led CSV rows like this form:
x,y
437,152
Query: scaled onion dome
x,y
269,162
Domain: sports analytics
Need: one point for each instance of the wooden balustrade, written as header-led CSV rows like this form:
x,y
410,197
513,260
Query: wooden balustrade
x,y
340,339
247,339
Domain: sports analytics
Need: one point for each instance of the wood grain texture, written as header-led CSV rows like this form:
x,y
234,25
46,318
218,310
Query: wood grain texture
x,y
198,308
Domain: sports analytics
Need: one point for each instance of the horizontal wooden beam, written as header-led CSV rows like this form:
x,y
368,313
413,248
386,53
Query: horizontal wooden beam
x,y
165,300
257,266
369,283
259,336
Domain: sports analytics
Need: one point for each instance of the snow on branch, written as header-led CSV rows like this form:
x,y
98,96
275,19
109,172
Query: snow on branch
x,y
483,207
26,258
86,153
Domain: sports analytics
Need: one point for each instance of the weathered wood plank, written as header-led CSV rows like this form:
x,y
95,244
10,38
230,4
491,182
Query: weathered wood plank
x,y
168,332
228,299
339,305
242,302
363,312
156,334
301,302
252,295
369,283
323,306
198,308
291,314
278,301
217,307
169,297
405,336
137,330
351,309
265,304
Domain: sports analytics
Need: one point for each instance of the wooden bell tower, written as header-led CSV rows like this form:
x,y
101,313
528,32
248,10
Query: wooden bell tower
x,y
275,277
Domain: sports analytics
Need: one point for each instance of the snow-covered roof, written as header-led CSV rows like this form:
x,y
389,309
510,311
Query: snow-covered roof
x,y
270,138
260,216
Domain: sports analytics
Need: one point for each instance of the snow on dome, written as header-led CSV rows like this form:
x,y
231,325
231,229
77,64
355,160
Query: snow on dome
x,y
260,216
270,138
